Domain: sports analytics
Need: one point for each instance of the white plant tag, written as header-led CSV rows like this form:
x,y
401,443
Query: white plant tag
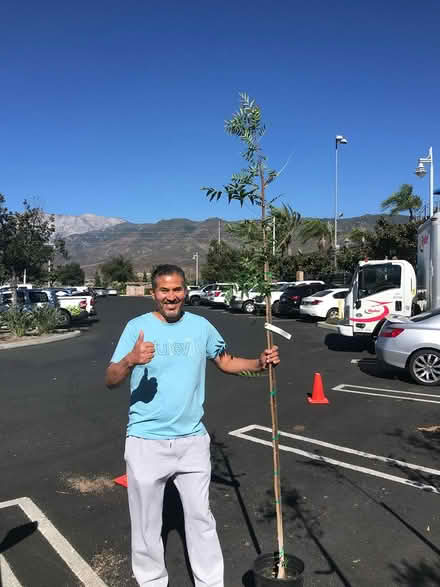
x,y
277,330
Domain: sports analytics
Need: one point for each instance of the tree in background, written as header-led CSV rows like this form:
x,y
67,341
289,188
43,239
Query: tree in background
x,y
144,276
4,236
97,280
70,273
402,201
222,263
389,240
316,230
118,269
27,242
316,264
288,224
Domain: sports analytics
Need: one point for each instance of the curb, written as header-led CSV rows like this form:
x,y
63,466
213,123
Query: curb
x,y
4,346
327,326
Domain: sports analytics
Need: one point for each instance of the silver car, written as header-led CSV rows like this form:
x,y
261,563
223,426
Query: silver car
x,y
412,344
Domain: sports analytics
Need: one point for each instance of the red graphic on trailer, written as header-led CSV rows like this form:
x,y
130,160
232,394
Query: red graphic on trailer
x,y
373,311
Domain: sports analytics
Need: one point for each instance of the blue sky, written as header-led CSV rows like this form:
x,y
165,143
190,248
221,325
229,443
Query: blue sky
x,y
117,108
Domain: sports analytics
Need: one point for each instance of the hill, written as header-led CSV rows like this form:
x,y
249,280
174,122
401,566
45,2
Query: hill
x,y
174,240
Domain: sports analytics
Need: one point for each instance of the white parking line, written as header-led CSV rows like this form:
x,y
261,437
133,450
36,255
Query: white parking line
x,y
241,433
7,577
373,391
65,550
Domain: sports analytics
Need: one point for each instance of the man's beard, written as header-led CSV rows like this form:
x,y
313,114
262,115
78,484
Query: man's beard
x,y
174,318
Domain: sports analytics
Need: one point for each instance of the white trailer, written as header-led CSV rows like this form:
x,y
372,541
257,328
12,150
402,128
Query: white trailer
x,y
381,288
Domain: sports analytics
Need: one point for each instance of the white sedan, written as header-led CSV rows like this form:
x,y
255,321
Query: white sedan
x,y
323,304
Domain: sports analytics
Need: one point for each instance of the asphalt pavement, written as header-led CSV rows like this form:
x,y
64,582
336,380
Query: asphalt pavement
x,y
360,479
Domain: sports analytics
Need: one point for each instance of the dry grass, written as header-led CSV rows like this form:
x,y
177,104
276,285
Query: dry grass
x,y
109,564
86,485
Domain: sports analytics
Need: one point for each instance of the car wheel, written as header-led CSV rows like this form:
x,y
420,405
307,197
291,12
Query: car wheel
x,y
332,314
424,367
195,301
276,308
377,329
64,318
248,307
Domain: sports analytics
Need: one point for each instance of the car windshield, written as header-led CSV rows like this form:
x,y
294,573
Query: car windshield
x,y
376,278
295,290
425,315
322,293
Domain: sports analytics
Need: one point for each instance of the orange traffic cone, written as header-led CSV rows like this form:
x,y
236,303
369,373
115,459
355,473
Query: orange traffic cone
x,y
122,480
318,396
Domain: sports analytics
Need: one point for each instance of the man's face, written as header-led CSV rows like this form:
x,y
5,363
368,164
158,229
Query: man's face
x,y
169,296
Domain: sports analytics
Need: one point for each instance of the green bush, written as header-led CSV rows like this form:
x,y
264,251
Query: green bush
x,y
18,321
45,319
74,311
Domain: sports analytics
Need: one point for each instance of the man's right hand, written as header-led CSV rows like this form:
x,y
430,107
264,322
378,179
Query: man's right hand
x,y
142,353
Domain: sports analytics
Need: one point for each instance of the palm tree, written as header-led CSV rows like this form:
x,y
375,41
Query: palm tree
x,y
403,200
315,229
287,224
357,236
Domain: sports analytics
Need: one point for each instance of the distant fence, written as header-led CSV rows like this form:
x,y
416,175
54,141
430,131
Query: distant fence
x,y
138,288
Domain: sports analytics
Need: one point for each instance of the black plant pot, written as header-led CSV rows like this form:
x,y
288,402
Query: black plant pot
x,y
266,571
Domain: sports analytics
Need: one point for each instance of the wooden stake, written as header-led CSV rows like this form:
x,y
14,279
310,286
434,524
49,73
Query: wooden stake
x,y
273,402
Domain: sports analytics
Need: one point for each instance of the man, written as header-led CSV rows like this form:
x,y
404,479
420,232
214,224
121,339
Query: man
x,y
165,353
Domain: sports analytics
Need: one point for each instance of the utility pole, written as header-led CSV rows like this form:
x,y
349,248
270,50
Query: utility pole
x,y
196,257
273,236
340,140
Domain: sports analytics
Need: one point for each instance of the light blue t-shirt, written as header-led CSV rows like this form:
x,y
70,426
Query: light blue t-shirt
x,y
167,394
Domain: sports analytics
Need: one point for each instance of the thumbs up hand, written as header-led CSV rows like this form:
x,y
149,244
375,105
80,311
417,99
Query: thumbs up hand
x,y
143,352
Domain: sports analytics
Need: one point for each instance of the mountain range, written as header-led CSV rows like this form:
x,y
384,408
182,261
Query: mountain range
x,y
91,240
66,224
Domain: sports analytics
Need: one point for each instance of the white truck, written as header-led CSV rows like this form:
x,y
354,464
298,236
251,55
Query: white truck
x,y
381,288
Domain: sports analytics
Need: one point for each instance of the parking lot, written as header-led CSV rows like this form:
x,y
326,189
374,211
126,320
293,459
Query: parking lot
x,y
360,475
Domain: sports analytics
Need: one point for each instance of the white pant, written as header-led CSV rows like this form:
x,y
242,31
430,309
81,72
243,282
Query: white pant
x,y
150,463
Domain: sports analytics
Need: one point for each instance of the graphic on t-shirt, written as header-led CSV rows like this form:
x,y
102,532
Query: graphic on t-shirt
x,y
220,347
176,349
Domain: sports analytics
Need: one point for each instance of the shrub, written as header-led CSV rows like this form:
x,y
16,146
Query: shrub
x,y
17,320
74,311
45,319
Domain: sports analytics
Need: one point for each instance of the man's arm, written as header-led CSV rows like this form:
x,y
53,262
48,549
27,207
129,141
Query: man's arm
x,y
142,353
236,365
117,372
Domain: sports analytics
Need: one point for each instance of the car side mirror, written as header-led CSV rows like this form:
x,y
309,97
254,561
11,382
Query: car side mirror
x,y
357,304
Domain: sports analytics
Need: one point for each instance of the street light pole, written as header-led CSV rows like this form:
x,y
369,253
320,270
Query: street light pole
x,y
340,140
196,257
421,172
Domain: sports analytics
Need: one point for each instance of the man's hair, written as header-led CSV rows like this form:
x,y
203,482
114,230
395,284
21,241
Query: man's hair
x,y
166,270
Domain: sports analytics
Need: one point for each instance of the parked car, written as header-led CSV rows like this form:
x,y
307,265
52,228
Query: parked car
x,y
412,344
100,292
218,296
246,302
323,304
112,292
29,299
277,293
291,297
72,307
195,297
